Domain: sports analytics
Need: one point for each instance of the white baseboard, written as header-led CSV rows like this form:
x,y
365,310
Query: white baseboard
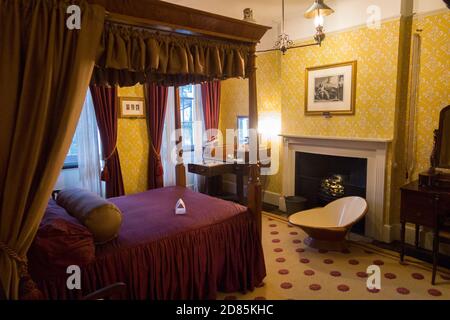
x,y
392,232
282,204
268,196
389,233
271,198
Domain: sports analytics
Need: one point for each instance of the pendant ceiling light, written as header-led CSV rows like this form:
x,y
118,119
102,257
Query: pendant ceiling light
x,y
317,11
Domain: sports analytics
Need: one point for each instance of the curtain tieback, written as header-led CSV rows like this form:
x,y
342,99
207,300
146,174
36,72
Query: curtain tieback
x,y
104,176
28,289
112,153
155,152
22,261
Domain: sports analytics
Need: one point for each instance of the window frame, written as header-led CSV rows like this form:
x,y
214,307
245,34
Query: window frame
x,y
71,160
191,146
238,119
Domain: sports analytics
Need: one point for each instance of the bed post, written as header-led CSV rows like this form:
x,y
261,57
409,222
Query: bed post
x,y
180,170
254,184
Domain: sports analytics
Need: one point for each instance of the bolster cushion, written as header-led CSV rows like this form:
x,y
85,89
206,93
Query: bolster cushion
x,y
100,216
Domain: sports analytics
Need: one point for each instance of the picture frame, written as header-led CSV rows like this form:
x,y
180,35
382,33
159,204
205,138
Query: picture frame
x,y
331,89
132,107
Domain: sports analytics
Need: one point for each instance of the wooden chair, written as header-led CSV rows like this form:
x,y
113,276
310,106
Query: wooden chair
x,y
108,292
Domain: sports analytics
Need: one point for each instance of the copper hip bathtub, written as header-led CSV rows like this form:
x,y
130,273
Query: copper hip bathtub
x,y
328,227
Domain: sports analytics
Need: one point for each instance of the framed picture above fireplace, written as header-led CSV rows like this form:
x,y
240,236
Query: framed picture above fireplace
x,y
331,89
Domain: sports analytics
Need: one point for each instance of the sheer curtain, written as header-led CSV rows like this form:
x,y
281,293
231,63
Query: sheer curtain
x,y
198,132
168,151
89,167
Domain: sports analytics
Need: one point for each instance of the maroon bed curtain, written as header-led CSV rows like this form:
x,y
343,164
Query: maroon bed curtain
x,y
106,109
156,102
211,105
44,74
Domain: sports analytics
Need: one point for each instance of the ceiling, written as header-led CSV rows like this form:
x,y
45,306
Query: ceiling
x,y
348,13
264,11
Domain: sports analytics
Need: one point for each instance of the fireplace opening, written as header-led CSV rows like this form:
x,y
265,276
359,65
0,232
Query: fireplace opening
x,y
322,179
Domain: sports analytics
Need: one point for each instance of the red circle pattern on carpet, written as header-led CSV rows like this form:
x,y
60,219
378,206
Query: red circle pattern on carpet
x,y
418,276
403,291
315,287
390,276
309,273
286,285
341,287
335,273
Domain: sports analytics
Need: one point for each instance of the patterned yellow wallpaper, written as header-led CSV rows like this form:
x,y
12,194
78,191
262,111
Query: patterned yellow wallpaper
x,y
375,50
234,102
132,143
269,104
281,81
434,90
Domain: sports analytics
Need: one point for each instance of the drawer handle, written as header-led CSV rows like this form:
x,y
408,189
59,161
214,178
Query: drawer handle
x,y
419,214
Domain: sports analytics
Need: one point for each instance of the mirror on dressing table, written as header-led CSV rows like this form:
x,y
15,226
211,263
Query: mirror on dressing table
x,y
426,202
440,156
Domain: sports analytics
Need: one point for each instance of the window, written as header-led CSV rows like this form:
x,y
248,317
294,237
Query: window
x,y
242,126
187,116
71,160
81,136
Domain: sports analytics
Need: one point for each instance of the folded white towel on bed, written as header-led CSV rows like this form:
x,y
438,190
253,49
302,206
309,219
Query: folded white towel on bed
x,y
180,207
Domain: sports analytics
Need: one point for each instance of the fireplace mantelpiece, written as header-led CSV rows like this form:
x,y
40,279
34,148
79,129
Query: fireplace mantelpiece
x,y
374,150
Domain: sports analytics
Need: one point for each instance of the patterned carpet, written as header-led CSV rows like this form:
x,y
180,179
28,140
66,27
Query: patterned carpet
x,y
295,271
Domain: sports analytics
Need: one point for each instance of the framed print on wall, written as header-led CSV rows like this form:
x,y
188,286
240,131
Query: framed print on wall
x,y
331,89
132,107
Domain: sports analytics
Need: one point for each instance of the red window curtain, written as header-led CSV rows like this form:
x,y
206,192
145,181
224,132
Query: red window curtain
x,y
211,105
106,108
156,103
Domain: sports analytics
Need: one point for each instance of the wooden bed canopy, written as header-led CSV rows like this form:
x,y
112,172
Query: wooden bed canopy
x,y
169,20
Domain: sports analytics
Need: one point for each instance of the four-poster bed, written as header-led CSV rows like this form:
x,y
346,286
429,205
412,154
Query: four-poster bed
x,y
144,41
171,19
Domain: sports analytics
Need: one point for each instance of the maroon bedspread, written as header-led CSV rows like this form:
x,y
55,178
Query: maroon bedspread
x,y
160,255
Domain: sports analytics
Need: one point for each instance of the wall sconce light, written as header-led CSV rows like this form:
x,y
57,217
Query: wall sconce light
x,y
269,124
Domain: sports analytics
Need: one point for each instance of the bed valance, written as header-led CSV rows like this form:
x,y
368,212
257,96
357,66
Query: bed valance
x,y
130,55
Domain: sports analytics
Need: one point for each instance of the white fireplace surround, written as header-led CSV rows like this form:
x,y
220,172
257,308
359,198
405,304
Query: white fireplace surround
x,y
374,150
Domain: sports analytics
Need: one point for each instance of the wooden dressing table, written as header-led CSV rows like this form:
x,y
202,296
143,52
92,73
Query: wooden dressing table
x,y
427,202
424,206
237,162
213,173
